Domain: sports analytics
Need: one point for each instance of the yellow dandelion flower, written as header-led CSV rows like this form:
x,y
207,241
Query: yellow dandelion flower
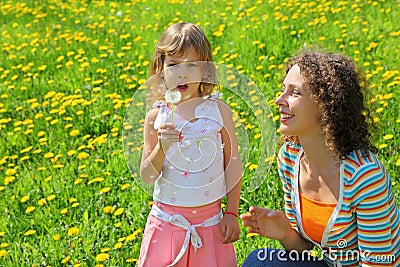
x,y
48,155
117,225
2,234
119,211
102,257
83,155
133,235
64,211
57,237
251,234
383,146
95,180
78,181
10,172
257,136
66,260
24,199
74,133
131,260
125,186
71,152
388,136
105,249
108,209
398,162
51,197
253,167
105,190
118,245
73,231
29,209
258,112
42,201
3,253
29,232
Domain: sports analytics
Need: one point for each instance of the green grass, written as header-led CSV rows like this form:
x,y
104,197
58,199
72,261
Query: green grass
x,y
69,70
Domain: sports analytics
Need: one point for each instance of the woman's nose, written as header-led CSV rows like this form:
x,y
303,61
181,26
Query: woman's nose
x,y
278,100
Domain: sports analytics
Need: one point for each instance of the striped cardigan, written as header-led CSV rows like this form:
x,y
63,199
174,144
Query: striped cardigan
x,y
364,228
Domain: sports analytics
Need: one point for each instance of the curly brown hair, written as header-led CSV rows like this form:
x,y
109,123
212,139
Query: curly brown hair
x,y
339,88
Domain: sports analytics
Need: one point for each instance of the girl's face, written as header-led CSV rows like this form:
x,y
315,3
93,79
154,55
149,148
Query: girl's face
x,y
299,114
183,73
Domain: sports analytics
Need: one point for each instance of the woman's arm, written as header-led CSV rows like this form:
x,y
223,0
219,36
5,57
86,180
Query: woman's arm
x,y
378,217
275,225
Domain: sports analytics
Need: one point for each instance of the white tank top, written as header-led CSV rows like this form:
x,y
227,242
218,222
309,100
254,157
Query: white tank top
x,y
193,170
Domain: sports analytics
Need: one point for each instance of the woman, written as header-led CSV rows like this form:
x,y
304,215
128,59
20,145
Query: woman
x,y
338,195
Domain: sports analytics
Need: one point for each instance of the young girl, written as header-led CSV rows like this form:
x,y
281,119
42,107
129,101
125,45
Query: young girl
x,y
191,155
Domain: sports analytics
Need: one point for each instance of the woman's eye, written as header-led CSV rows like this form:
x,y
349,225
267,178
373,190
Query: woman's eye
x,y
192,65
295,92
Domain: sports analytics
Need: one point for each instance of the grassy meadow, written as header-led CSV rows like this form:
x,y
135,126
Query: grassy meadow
x,y
69,70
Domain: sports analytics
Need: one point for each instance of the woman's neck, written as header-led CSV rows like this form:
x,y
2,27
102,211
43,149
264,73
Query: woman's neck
x,y
316,152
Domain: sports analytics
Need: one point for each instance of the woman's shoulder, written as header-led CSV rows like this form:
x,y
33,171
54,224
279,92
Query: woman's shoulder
x,y
290,149
359,159
364,170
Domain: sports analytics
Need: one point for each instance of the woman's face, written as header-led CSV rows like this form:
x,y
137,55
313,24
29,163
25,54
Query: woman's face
x,y
299,114
183,73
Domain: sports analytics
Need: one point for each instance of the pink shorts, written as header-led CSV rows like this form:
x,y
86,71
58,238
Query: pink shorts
x,y
162,241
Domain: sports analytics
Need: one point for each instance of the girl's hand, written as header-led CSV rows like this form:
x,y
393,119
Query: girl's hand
x,y
269,223
230,228
167,135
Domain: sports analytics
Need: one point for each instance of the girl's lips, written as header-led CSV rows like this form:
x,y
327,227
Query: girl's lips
x,y
182,87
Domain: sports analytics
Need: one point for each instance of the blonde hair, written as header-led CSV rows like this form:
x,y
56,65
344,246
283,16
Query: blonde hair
x,y
175,40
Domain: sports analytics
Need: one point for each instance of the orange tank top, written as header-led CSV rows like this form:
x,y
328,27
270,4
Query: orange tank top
x,y
315,216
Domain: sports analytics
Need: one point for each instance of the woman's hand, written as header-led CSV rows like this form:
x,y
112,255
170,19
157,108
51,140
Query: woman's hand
x,y
230,228
269,223
168,135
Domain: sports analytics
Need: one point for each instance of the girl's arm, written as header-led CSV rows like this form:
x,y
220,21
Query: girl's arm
x,y
233,175
233,166
153,155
